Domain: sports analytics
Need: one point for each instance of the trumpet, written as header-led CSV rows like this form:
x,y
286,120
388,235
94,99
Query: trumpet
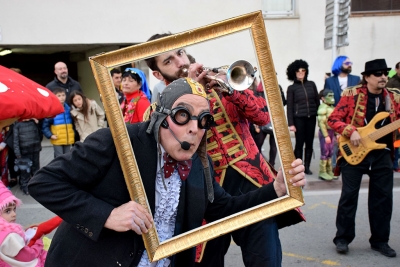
x,y
239,76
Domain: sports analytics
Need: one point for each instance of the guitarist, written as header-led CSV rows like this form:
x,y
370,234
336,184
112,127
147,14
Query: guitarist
x,y
357,106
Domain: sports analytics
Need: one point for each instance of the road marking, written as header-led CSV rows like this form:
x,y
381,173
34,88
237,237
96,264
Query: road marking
x,y
324,262
332,206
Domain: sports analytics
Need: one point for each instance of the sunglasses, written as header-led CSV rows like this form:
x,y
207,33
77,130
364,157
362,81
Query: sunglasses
x,y
301,70
348,63
181,116
380,73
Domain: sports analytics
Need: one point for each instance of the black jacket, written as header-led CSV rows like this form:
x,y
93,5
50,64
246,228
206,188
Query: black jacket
x,y
85,185
26,138
394,82
302,100
69,86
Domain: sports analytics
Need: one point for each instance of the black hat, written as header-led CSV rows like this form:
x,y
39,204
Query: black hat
x,y
375,65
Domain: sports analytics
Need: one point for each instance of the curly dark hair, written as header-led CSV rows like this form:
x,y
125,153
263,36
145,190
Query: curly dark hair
x,y
295,66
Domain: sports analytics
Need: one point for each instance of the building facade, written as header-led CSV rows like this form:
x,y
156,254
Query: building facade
x,y
40,33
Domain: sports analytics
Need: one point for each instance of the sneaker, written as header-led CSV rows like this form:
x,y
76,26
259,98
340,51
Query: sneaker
x,y
385,250
342,247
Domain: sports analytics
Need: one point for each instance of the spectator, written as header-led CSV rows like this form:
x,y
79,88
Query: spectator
x,y
60,129
62,80
136,102
11,157
341,78
259,133
326,134
302,106
116,78
27,147
88,116
394,82
3,156
14,250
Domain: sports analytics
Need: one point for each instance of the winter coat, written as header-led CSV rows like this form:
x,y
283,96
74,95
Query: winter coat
x,y
69,86
333,84
302,100
394,82
61,126
26,138
94,121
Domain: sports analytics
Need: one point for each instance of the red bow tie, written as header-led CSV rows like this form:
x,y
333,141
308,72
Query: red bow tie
x,y
170,164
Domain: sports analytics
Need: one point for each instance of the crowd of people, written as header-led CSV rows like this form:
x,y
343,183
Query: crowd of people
x,y
192,110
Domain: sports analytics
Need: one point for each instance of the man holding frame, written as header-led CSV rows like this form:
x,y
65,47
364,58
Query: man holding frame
x,y
102,227
238,165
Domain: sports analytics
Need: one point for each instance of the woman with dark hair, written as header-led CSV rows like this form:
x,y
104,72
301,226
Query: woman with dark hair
x,y
302,106
88,116
136,101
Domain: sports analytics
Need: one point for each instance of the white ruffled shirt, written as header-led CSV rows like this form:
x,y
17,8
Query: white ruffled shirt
x,y
166,208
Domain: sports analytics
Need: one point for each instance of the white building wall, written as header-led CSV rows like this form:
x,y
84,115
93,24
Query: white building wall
x,y
129,21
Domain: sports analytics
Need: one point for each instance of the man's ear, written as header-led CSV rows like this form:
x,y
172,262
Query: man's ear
x,y
158,75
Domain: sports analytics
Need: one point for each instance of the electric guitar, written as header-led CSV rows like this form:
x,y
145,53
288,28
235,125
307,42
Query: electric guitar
x,y
369,134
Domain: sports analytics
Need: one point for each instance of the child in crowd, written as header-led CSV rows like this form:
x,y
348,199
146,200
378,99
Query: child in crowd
x,y
27,147
326,135
14,250
60,129
87,114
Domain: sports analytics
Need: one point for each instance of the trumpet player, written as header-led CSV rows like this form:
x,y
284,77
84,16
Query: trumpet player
x,y
239,166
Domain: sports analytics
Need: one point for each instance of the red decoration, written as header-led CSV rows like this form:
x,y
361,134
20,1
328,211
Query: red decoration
x,y
22,98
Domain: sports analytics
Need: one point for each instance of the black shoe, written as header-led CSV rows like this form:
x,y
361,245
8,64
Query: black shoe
x,y
342,246
307,171
25,191
385,250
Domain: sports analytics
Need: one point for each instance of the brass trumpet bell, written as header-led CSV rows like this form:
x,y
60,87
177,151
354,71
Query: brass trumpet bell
x,y
240,75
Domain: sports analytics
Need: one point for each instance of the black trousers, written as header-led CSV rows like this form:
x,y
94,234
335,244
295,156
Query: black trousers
x,y
259,242
379,167
259,139
10,163
305,132
26,176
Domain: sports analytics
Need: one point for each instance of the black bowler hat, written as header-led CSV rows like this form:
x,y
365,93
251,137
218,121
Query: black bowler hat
x,y
375,65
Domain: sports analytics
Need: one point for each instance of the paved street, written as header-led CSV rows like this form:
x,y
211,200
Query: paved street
x,y
305,244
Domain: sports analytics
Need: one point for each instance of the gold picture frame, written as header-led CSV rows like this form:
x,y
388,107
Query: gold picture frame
x,y
101,65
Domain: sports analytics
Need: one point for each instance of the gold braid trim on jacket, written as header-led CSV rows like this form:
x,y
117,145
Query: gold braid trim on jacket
x,y
149,110
396,94
351,91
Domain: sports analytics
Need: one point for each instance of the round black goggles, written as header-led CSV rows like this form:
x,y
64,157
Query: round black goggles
x,y
181,116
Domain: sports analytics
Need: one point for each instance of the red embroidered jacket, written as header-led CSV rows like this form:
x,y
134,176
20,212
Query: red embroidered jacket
x,y
229,143
350,112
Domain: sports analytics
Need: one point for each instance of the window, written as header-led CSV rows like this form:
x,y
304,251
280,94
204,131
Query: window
x,y
366,6
278,8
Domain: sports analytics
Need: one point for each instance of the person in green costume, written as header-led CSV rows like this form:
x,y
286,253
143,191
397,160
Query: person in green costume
x,y
326,134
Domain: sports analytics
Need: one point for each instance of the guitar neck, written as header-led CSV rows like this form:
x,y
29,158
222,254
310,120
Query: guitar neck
x,y
385,130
